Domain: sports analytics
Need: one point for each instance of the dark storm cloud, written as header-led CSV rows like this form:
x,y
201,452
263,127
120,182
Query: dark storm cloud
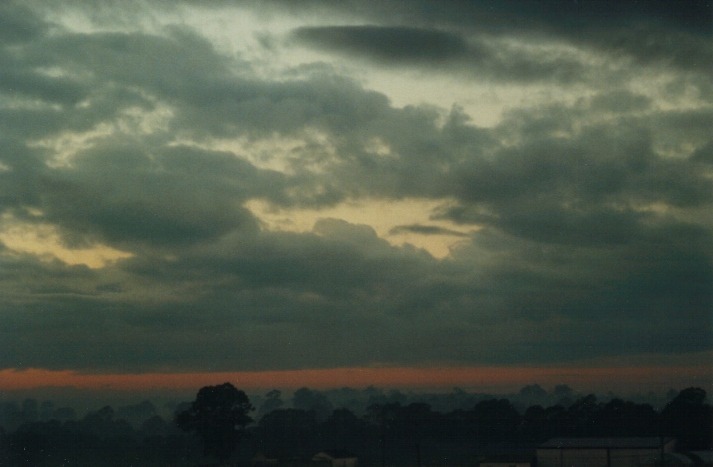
x,y
389,44
425,230
651,32
441,51
586,215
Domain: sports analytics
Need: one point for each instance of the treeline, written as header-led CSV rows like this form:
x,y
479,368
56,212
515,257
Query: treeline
x,y
386,432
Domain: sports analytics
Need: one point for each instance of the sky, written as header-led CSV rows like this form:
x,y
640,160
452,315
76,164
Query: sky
x,y
286,193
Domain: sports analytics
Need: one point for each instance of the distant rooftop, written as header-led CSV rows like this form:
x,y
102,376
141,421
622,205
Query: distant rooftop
x,y
604,443
337,453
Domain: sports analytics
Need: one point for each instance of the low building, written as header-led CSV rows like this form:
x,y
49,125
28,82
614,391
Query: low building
x,y
261,459
668,459
506,461
336,458
704,458
602,452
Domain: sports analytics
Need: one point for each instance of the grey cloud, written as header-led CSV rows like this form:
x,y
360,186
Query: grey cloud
x,y
590,240
260,292
266,303
61,90
18,181
180,62
433,314
210,99
620,101
172,195
584,189
19,24
609,284
704,154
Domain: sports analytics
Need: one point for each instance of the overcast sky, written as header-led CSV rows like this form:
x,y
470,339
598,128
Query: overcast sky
x,y
279,185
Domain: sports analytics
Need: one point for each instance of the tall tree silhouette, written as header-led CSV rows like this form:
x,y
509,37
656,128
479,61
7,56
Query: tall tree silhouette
x,y
690,419
219,416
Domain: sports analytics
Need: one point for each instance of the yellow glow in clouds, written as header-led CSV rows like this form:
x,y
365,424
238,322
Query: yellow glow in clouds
x,y
44,241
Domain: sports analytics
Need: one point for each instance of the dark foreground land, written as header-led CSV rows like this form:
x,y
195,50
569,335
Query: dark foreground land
x,y
385,432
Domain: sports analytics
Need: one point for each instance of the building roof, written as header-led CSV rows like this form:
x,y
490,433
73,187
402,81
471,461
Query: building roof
x,y
674,458
704,456
508,458
337,454
651,442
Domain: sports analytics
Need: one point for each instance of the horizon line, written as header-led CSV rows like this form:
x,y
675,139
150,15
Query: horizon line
x,y
482,378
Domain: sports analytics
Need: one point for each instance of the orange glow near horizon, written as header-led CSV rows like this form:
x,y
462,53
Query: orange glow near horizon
x,y
467,378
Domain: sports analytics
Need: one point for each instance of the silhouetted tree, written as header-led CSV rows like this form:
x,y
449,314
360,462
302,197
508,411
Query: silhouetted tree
x,y
26,447
534,424
690,419
343,429
288,432
623,418
494,420
219,416
416,418
583,416
384,417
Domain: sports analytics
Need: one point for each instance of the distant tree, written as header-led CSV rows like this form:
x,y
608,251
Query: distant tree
x,y
533,391
64,413
564,394
30,412
273,401
219,416
312,401
156,426
46,410
103,424
136,414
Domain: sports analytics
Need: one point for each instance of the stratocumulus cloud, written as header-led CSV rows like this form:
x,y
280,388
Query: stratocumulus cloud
x,y
175,196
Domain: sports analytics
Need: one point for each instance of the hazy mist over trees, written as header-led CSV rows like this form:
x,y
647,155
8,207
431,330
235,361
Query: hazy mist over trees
x,y
380,426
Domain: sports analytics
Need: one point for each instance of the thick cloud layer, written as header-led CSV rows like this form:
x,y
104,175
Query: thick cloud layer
x,y
580,222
